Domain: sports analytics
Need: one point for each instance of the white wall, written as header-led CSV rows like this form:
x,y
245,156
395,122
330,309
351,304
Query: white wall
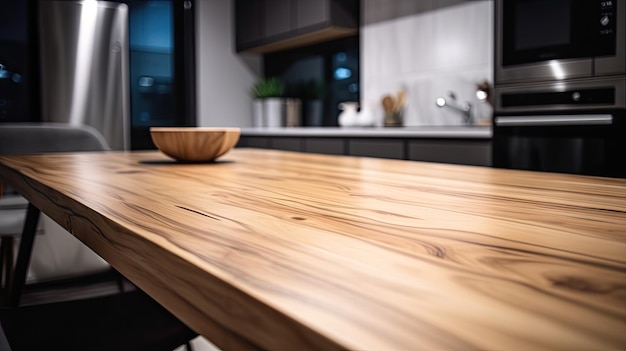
x,y
429,54
223,76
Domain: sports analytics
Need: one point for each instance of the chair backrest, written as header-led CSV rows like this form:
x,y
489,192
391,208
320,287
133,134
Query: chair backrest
x,y
36,138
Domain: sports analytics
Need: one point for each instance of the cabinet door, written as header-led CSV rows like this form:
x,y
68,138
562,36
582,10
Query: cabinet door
x,y
257,142
278,18
249,23
264,26
288,144
311,12
376,148
329,146
476,153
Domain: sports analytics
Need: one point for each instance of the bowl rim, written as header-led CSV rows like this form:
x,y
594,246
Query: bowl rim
x,y
195,129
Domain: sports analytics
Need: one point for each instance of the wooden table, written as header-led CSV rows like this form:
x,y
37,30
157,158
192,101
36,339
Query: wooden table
x,y
282,250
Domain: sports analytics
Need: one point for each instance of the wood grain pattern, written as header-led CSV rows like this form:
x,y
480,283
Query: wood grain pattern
x,y
288,251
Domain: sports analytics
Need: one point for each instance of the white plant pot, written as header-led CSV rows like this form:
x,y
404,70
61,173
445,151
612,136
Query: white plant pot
x,y
258,119
274,112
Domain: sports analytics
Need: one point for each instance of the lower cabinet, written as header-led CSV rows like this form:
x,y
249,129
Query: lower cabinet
x,y
383,148
288,144
464,152
278,143
329,146
256,142
475,152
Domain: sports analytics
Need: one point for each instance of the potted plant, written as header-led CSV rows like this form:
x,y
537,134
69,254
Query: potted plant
x,y
313,92
268,102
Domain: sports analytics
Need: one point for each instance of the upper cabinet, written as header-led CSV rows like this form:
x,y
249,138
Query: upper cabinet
x,y
264,26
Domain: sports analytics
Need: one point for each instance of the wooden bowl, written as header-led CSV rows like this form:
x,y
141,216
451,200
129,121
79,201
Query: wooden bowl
x,y
194,144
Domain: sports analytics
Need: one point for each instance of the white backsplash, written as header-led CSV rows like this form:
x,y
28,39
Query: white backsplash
x,y
429,54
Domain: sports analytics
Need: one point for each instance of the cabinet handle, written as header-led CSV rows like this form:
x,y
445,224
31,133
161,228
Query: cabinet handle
x,y
553,120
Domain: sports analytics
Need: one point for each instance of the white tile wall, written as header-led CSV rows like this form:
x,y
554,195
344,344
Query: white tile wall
x,y
429,54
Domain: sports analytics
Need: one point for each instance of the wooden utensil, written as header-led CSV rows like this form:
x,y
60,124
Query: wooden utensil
x,y
388,103
400,101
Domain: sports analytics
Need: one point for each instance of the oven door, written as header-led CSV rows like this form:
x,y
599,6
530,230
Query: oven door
x,y
589,144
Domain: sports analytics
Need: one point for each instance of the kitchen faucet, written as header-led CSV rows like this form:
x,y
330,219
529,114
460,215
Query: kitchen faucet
x,y
465,110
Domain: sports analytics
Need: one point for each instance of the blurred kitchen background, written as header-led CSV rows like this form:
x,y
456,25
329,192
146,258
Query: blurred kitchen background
x,y
189,65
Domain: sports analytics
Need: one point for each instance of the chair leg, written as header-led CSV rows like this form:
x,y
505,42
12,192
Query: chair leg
x,y
119,278
16,286
3,258
3,262
6,265
10,264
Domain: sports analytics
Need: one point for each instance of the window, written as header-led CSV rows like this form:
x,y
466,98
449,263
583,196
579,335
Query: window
x,y
326,74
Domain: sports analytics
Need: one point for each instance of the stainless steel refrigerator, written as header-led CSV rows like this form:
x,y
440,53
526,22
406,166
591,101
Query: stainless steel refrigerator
x,y
84,66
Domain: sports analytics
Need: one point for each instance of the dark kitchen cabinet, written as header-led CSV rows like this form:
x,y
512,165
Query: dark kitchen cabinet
x,y
277,17
287,144
311,12
256,142
383,148
249,22
264,26
329,146
464,151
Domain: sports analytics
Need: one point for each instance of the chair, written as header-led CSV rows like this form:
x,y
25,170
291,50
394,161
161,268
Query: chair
x,y
86,318
12,217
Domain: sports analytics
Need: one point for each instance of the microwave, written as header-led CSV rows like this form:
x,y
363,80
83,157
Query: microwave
x,y
553,40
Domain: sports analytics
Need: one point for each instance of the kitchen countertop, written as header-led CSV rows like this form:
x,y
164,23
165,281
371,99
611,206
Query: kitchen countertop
x,y
267,249
462,132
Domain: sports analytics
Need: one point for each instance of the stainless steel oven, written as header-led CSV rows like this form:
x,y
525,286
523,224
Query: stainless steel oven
x,y
571,126
547,40
588,144
560,86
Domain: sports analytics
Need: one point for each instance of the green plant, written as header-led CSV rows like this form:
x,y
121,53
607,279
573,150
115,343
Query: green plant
x,y
267,88
313,89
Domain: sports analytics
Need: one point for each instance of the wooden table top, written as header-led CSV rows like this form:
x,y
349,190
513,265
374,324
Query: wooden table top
x,y
283,250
